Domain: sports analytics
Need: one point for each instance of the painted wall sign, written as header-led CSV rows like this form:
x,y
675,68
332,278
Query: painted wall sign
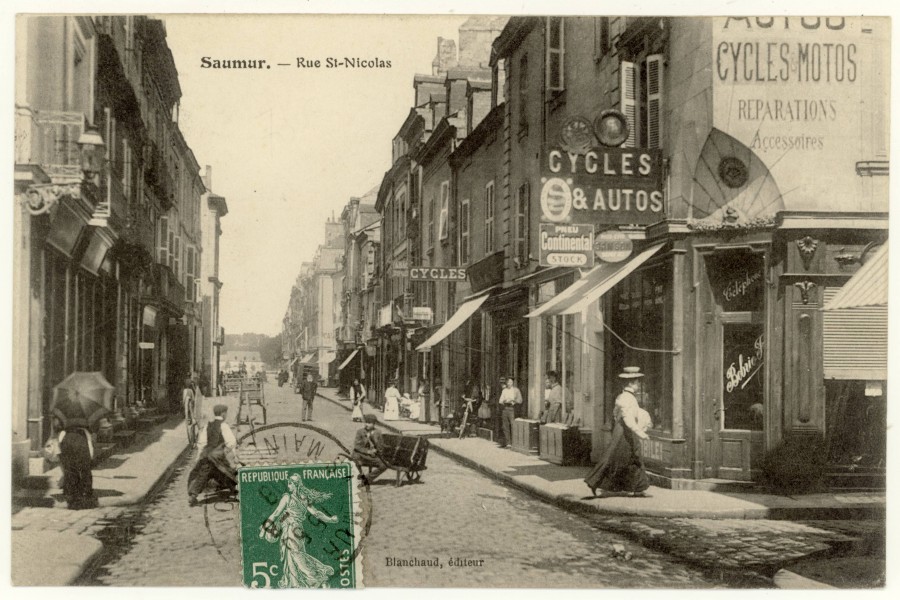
x,y
437,274
602,186
567,245
422,313
804,91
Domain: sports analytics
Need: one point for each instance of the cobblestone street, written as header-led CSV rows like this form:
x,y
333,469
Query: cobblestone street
x,y
454,512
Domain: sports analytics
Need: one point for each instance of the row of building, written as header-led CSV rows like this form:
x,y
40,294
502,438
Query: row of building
x,y
116,230
582,194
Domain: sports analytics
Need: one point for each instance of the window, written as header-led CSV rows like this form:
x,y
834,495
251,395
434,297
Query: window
x,y
444,224
176,257
489,218
601,37
521,225
555,54
163,243
641,100
429,237
126,170
464,232
523,92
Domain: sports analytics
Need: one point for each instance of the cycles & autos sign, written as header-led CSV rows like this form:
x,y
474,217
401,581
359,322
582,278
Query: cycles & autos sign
x,y
602,186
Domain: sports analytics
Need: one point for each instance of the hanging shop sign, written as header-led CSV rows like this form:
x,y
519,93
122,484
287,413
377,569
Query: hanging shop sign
x,y
613,246
602,186
400,268
566,245
437,274
422,313
385,315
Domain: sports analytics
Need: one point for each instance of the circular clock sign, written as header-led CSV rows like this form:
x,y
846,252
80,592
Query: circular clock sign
x,y
611,128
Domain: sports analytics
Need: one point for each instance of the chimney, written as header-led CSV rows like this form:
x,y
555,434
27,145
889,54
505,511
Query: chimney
x,y
445,58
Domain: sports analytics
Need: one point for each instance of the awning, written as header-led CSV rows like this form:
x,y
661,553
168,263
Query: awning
x,y
309,359
327,357
296,358
867,287
348,359
459,317
594,284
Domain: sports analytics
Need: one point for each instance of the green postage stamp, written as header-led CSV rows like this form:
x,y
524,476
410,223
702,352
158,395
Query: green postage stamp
x,y
298,526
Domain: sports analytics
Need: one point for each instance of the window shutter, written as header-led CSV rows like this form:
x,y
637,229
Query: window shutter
x,y
628,91
854,341
654,100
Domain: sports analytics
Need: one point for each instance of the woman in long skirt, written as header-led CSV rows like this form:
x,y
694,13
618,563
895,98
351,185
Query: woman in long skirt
x,y
392,402
621,468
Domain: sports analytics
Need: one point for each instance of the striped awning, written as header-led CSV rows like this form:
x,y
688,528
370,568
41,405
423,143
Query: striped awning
x,y
594,284
348,359
867,287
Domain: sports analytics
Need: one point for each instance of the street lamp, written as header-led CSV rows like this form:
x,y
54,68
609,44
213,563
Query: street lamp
x,y
42,197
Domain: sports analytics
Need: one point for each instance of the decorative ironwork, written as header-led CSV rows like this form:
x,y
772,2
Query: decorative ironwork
x,y
805,287
41,198
807,247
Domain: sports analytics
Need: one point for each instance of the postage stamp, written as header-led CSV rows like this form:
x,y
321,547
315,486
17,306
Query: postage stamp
x,y
298,526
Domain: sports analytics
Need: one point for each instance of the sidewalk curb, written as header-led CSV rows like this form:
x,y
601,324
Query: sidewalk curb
x,y
572,504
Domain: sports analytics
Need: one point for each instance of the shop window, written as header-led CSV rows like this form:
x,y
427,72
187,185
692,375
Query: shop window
x,y
642,101
856,424
743,390
640,334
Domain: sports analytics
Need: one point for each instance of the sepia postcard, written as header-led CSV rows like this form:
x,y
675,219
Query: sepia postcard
x,y
580,298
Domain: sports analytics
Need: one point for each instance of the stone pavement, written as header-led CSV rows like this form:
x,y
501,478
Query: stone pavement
x,y
746,535
53,546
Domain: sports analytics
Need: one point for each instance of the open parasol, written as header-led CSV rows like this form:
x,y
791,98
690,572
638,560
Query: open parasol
x,y
82,399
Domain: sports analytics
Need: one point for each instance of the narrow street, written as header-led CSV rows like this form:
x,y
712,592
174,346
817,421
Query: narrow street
x,y
454,512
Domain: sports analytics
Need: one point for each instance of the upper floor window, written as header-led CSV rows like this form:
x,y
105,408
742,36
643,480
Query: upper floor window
x,y
520,246
464,223
523,92
642,101
601,37
429,235
489,218
444,219
555,54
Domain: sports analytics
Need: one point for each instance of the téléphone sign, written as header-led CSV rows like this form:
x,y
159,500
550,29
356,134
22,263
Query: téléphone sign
x,y
603,186
567,245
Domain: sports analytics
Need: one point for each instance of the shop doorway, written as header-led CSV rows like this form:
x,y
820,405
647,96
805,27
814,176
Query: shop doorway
x,y
733,356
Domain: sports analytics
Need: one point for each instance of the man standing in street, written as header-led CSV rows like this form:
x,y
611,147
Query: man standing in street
x,y
367,450
308,392
553,398
509,399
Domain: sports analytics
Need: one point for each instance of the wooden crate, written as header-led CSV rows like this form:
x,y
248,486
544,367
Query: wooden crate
x,y
526,436
561,444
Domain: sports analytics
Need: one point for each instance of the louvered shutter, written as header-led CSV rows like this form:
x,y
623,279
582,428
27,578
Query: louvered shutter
x,y
654,100
163,241
854,341
628,93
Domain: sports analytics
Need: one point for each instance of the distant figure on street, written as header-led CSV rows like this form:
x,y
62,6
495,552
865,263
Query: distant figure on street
x,y
357,397
510,398
367,450
392,402
308,391
217,444
621,469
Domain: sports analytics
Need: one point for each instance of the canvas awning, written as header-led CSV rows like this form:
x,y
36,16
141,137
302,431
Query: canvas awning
x,y
348,359
296,358
465,311
594,284
867,287
309,359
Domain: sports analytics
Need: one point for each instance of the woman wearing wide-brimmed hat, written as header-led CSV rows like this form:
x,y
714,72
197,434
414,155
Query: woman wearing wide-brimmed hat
x,y
620,468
